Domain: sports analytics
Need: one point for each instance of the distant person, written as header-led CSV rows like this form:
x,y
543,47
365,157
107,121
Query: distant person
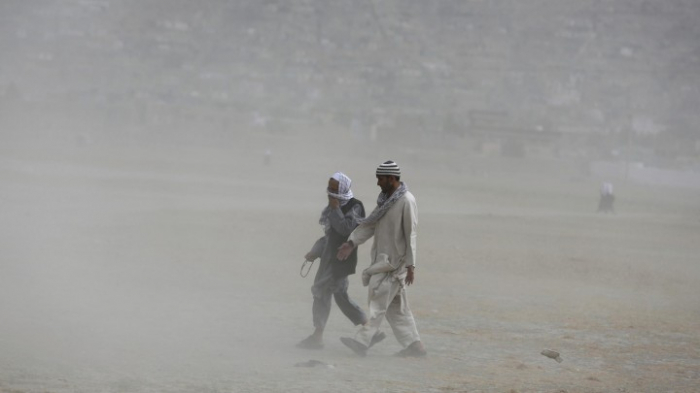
x,y
607,199
393,223
339,218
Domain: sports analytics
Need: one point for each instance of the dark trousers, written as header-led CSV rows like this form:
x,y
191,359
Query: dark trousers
x,y
326,287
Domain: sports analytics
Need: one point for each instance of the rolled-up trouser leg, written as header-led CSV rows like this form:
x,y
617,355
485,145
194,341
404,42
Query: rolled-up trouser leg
x,y
400,317
380,294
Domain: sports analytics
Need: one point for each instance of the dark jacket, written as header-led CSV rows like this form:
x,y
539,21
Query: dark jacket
x,y
334,238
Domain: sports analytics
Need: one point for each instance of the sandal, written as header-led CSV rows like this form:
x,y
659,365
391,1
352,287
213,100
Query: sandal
x,y
412,351
356,346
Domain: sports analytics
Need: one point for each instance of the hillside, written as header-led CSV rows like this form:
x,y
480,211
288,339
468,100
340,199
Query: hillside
x,y
414,67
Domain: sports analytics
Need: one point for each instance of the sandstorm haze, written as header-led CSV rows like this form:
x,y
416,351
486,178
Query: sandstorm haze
x,y
214,71
163,166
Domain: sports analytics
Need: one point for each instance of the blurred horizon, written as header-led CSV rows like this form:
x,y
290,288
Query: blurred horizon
x,y
591,79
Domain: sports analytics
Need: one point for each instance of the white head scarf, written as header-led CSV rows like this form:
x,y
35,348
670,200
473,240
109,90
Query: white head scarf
x,y
344,193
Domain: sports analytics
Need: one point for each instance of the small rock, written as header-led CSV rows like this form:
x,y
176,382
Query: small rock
x,y
552,355
314,363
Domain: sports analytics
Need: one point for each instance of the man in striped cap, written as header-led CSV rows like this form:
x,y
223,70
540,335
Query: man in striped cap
x,y
393,224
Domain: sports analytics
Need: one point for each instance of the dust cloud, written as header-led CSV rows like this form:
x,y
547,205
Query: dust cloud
x,y
163,166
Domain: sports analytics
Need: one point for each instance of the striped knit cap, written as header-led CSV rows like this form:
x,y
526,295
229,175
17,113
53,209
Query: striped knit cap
x,y
388,168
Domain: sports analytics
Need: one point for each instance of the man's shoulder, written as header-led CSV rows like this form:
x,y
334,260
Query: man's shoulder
x,y
409,197
354,204
355,201
406,199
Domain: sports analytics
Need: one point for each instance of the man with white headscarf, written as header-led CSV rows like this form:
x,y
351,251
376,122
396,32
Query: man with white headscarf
x,y
339,218
393,224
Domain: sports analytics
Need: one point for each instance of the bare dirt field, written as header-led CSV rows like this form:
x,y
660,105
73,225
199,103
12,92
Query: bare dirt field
x,y
176,270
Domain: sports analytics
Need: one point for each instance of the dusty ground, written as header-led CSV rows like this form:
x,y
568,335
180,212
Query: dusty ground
x,y
176,270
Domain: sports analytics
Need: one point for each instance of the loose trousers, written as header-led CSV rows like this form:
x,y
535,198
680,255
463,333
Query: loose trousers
x,y
387,298
326,287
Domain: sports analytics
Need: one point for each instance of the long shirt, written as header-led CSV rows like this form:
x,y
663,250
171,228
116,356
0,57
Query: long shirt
x,y
394,234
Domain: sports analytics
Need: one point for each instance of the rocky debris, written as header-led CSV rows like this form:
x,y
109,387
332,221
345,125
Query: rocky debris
x,y
552,355
314,363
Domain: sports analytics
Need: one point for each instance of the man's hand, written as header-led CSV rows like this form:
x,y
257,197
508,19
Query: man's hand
x,y
310,257
345,250
409,275
333,203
